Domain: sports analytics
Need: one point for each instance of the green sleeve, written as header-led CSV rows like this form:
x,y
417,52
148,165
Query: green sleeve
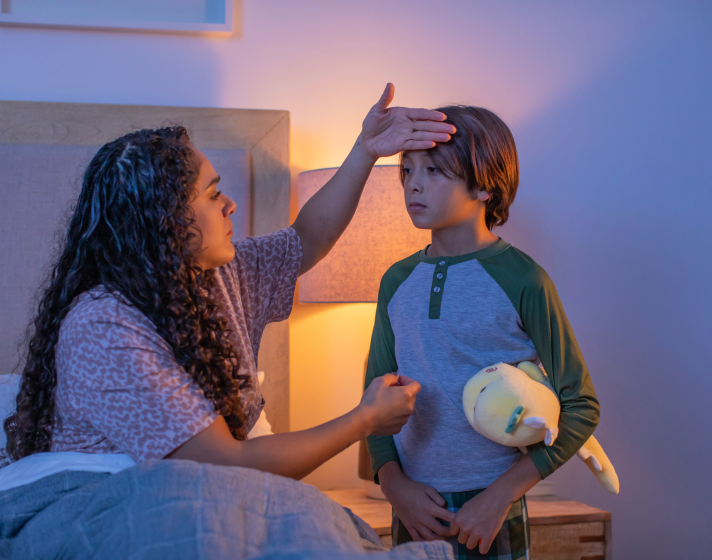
x,y
534,297
382,355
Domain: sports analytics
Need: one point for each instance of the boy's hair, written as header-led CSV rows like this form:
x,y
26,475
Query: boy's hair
x,y
483,154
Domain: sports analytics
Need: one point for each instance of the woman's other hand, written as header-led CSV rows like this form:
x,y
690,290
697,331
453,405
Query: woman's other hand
x,y
387,131
388,401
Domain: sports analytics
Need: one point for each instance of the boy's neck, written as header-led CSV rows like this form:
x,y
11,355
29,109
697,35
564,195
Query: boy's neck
x,y
460,239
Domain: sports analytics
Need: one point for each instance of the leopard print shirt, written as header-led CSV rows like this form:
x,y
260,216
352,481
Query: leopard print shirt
x,y
119,387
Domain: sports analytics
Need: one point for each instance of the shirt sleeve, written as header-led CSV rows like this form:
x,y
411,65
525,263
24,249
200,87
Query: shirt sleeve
x,y
545,321
534,296
381,360
125,383
266,269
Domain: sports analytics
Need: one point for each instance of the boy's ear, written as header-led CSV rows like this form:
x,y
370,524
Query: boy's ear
x,y
483,195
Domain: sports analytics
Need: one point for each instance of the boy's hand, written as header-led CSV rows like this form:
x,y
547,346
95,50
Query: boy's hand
x,y
389,131
417,505
480,519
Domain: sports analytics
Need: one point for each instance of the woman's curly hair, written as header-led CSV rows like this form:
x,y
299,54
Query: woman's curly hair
x,y
132,231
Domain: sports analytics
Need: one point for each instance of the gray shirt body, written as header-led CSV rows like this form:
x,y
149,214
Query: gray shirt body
x,y
440,321
478,327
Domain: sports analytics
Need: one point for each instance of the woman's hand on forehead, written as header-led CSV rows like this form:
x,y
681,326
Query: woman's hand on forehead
x,y
387,131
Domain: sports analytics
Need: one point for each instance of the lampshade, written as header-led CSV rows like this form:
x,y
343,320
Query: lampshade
x,y
380,234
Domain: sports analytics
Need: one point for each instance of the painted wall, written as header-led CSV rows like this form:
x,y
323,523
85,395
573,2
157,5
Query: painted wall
x,y
610,106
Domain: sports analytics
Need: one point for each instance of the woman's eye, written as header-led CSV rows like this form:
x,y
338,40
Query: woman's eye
x,y
216,195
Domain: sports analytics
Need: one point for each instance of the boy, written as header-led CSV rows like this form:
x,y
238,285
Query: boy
x,y
466,301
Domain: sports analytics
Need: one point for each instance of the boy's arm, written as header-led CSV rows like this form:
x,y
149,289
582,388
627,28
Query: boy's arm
x,y
386,131
381,360
534,297
545,321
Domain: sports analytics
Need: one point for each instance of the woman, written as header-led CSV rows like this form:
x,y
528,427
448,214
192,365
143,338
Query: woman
x,y
145,341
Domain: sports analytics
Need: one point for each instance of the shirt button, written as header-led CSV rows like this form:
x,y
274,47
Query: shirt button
x,y
442,263
436,289
439,276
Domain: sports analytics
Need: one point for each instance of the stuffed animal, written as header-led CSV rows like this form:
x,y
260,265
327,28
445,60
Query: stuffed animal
x,y
516,406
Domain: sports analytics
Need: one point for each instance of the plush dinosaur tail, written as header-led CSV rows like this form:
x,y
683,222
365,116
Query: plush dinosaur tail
x,y
596,459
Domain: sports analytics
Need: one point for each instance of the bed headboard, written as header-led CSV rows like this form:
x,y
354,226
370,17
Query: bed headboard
x,y
44,148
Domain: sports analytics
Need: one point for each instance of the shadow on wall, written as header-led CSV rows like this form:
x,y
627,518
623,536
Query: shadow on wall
x,y
614,203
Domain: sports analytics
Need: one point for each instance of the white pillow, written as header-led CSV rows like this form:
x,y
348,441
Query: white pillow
x,y
9,387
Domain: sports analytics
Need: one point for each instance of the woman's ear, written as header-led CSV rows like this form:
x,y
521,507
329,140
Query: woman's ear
x,y
483,195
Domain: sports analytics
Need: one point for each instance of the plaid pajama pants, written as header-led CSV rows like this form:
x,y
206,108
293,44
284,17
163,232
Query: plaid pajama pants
x,y
511,543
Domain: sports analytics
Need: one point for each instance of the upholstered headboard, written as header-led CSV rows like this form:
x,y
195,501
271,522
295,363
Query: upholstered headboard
x,y
44,148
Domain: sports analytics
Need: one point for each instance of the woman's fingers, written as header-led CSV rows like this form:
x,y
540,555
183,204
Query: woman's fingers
x,y
430,126
391,404
410,145
386,98
429,136
424,115
390,379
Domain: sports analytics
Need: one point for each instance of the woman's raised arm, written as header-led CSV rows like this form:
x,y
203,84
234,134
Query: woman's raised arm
x,y
383,410
386,131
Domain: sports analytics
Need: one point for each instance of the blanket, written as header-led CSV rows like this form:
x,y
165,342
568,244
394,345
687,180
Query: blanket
x,y
185,510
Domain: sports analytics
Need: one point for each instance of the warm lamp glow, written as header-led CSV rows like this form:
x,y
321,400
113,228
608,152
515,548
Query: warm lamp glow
x,y
380,234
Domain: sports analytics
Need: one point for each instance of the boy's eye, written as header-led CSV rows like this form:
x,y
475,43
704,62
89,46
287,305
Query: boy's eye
x,y
407,170
432,169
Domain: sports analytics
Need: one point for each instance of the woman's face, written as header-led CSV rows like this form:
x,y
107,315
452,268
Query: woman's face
x,y
211,211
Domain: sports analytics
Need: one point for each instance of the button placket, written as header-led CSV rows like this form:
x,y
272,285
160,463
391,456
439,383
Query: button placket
x,y
437,288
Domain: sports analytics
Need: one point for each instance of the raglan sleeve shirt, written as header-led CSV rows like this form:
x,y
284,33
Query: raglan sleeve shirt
x,y
534,297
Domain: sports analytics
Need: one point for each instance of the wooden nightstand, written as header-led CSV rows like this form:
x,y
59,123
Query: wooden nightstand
x,y
560,529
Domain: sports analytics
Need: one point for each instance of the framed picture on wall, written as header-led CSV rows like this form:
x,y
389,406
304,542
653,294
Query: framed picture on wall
x,y
181,16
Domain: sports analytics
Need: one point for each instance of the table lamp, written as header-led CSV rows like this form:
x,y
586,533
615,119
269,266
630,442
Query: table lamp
x,y
380,234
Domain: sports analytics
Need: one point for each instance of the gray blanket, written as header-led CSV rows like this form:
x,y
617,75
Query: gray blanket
x,y
184,510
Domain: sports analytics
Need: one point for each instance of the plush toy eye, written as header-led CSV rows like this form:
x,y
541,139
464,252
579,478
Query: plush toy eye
x,y
483,388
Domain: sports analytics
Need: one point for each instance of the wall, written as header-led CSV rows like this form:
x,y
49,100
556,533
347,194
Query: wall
x,y
609,103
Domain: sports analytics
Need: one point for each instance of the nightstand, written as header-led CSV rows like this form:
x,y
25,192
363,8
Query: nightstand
x,y
560,529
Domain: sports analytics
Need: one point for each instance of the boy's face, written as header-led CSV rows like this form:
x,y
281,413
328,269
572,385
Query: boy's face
x,y
434,200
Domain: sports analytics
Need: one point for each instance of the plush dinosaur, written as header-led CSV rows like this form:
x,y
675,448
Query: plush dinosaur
x,y
516,406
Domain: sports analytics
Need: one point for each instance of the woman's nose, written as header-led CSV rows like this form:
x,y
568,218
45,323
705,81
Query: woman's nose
x,y
229,207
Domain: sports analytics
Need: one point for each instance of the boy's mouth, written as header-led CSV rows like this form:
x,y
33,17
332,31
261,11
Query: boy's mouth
x,y
415,206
